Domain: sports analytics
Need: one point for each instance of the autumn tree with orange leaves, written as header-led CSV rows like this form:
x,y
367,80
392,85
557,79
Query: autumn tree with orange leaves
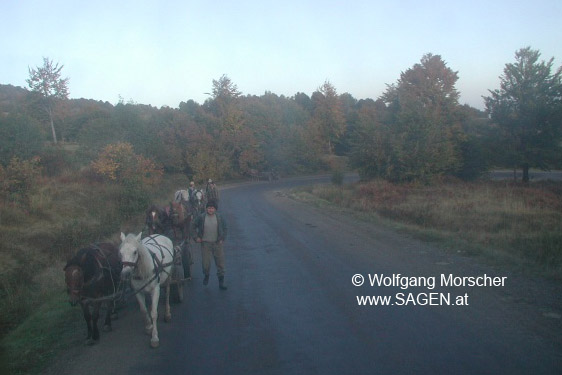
x,y
119,163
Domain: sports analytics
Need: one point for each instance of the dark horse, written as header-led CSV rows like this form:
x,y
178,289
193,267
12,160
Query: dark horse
x,y
92,274
180,217
158,220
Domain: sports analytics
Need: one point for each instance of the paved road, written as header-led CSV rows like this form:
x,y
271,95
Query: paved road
x,y
291,307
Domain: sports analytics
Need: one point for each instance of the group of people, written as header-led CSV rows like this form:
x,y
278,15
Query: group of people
x,y
209,229
211,193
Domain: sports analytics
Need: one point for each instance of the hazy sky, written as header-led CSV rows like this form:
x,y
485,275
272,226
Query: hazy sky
x,y
165,52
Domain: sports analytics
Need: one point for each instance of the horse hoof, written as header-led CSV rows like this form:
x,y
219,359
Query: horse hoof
x,y
168,318
107,329
154,343
90,342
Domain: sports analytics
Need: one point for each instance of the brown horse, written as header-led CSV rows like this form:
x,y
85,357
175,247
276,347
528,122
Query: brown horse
x,y
158,220
92,274
180,217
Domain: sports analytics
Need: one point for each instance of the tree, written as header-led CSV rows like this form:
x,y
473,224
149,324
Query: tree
x,y
527,109
235,141
47,82
225,96
371,147
328,121
424,122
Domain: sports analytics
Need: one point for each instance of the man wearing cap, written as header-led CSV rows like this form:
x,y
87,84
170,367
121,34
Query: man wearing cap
x,y
209,229
191,190
211,192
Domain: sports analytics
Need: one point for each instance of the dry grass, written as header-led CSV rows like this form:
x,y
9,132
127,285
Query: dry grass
x,y
64,214
522,222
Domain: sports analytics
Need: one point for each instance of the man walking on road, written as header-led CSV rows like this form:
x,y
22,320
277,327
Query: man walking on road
x,y
209,229
211,192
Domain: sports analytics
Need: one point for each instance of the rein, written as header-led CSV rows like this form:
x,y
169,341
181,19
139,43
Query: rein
x,y
100,276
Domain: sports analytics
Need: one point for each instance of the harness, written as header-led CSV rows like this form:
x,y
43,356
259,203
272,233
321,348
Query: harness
x,y
100,275
159,267
101,267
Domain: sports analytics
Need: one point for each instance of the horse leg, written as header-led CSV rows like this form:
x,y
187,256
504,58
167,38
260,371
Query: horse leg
x,y
95,317
168,315
107,321
154,340
147,321
88,319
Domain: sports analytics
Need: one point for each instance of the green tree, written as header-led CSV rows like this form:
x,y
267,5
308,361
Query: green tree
x,y
527,108
47,82
371,150
424,119
328,121
234,140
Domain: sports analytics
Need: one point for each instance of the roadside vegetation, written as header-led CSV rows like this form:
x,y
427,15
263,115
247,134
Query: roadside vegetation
x,y
510,224
64,214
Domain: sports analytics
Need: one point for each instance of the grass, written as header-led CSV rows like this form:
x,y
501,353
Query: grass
x,y
507,222
54,326
65,213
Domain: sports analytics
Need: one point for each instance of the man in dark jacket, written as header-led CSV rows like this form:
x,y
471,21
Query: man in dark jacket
x,y
209,229
211,192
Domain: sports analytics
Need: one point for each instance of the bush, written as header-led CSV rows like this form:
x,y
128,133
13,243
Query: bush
x,y
18,179
119,163
337,178
20,136
133,199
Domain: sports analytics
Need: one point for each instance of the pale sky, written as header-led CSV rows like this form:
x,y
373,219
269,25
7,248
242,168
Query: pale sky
x,y
165,52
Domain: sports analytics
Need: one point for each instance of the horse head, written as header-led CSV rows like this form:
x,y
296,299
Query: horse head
x,y
77,272
129,253
177,213
157,219
74,277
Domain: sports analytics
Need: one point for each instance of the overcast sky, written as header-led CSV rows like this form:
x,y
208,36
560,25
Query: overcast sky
x,y
165,52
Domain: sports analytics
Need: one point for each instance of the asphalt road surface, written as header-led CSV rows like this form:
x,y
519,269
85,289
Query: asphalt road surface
x,y
291,306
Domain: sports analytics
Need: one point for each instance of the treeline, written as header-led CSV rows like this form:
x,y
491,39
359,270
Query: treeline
x,y
416,130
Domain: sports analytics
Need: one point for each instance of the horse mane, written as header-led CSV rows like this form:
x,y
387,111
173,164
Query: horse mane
x,y
85,259
78,258
106,254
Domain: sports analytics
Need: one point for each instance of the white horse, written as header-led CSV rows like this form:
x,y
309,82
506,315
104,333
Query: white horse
x,y
181,196
198,202
149,261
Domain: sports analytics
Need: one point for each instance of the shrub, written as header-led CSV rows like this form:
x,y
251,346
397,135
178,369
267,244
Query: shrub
x,y
337,178
18,179
119,163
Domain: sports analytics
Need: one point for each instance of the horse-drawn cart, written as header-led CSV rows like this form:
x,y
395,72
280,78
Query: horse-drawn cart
x,y
181,270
